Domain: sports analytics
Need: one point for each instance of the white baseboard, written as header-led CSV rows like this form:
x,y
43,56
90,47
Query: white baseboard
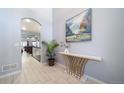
x,y
9,74
85,77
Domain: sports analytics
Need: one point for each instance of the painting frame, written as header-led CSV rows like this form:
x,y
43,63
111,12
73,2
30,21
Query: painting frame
x,y
74,28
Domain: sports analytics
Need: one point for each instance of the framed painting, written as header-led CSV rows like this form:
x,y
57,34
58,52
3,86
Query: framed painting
x,y
78,28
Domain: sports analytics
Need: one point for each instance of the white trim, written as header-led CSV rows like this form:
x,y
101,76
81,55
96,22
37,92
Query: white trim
x,y
9,74
86,77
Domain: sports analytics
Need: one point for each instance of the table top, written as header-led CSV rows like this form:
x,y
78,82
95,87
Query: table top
x,y
95,58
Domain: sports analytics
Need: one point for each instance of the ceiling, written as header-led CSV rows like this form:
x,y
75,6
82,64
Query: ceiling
x,y
30,28
30,25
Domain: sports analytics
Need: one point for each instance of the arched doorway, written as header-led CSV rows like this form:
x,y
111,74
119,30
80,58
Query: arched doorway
x,y
31,37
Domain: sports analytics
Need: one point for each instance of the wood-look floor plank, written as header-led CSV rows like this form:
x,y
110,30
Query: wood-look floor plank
x,y
33,72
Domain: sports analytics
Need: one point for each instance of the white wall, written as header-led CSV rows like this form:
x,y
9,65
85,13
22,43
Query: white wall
x,y
9,35
107,42
10,32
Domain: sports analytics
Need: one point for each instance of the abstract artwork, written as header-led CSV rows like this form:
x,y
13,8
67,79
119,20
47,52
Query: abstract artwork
x,y
78,28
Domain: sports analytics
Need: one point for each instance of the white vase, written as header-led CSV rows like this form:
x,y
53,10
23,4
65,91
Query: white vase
x,y
66,50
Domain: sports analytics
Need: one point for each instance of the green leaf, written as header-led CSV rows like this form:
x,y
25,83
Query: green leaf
x,y
50,47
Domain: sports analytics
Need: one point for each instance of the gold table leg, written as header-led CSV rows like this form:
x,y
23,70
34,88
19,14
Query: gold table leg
x,y
75,65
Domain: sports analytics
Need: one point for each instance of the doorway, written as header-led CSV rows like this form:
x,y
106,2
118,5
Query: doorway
x,y
31,38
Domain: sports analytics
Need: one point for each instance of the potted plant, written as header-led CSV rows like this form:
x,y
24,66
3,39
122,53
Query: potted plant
x,y
50,51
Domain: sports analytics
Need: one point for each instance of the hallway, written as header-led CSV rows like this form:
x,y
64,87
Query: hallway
x,y
33,72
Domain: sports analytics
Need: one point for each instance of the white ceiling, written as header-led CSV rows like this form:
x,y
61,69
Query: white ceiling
x,y
30,25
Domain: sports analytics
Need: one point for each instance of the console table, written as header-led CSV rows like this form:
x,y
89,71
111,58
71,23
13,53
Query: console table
x,y
75,63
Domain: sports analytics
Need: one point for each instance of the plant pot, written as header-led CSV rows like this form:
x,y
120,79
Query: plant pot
x,y
51,61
